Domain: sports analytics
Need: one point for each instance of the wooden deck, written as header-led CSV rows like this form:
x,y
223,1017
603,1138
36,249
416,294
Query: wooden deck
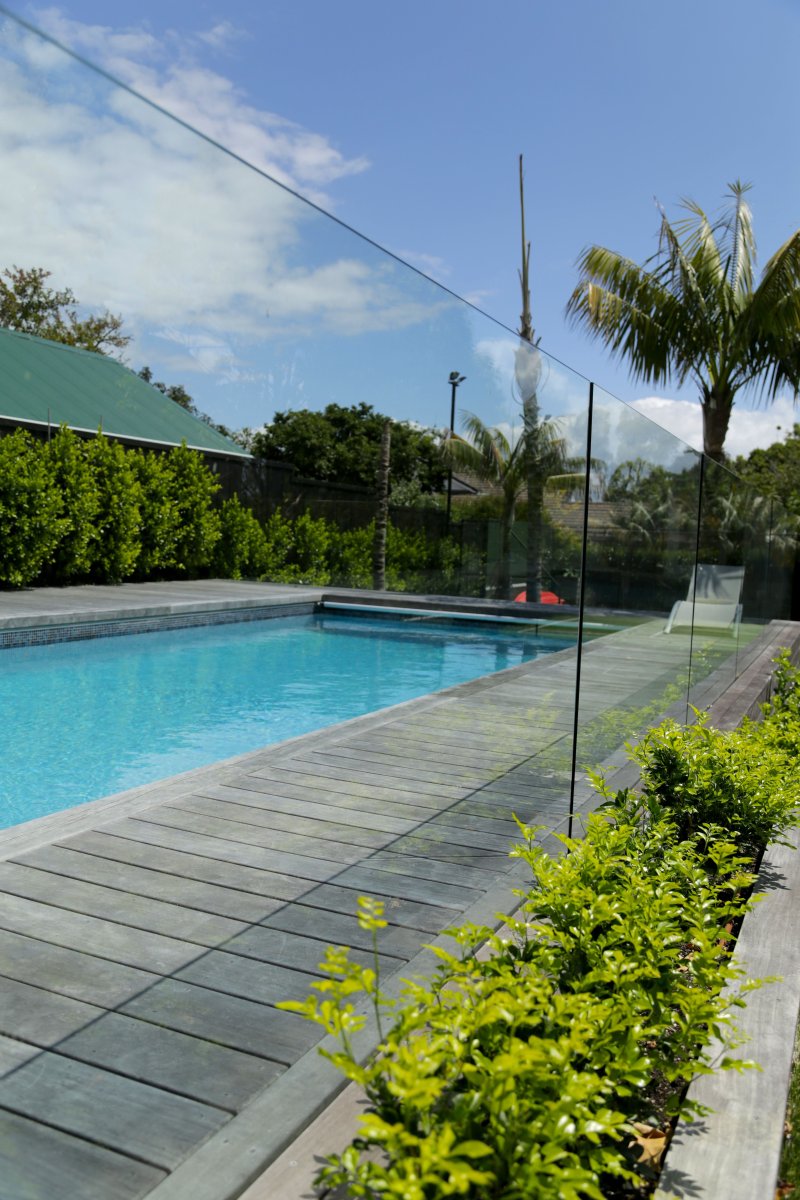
x,y
144,942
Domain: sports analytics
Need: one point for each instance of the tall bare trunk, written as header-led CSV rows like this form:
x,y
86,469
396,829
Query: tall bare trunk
x,y
527,375
381,510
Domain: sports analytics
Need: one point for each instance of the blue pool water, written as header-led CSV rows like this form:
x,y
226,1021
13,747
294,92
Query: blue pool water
x,y
86,719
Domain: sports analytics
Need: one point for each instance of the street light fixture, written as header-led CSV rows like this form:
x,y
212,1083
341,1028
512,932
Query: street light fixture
x,y
454,380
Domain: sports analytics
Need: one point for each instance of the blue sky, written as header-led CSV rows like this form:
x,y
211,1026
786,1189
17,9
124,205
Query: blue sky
x,y
406,122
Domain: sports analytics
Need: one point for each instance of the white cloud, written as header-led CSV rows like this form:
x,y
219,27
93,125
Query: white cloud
x,y
166,70
140,216
749,429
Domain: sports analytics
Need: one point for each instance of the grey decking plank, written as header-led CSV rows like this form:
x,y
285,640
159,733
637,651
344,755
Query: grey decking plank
x,y
455,829
224,849
122,907
408,887
251,834
248,978
239,884
291,949
186,1065
324,780
308,767
119,943
413,914
167,1058
418,845
389,753
362,800
228,1020
122,1114
246,808
332,806
36,1162
40,1016
70,973
389,768
465,816
465,875
343,929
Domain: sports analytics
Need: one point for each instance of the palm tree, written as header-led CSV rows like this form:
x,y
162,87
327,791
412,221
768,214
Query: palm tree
x,y
691,311
493,457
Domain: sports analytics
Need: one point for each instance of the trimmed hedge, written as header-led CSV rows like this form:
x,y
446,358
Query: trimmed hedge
x,y
554,1066
75,511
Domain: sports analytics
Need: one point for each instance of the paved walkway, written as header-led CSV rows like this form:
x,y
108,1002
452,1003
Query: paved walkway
x,y
145,939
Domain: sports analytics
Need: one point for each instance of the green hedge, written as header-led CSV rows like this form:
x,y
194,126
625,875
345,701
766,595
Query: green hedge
x,y
74,511
553,1065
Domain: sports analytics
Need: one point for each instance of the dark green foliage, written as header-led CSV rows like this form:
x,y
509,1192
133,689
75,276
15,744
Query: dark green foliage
x,y
344,444
159,516
191,495
66,458
31,517
115,544
544,1068
242,551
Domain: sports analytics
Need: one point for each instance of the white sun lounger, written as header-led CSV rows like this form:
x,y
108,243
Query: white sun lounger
x,y
713,603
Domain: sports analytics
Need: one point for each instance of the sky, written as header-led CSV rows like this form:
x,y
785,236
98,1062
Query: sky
x,y
405,122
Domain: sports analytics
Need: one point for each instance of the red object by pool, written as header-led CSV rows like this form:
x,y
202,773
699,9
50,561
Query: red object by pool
x,y
547,598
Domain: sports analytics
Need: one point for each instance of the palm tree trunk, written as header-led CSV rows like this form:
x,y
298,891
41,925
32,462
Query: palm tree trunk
x,y
381,511
717,405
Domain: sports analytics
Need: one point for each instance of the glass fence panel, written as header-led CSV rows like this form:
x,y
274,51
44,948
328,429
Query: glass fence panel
x,y
264,310
781,535
719,582
295,337
642,531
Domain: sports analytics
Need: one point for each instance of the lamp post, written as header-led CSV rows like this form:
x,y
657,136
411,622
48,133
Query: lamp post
x,y
454,380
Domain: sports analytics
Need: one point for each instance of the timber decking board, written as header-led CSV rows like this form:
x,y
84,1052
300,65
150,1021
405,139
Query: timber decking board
x,y
79,896
251,834
142,953
263,795
108,940
144,1122
227,1020
239,853
238,879
250,813
37,1161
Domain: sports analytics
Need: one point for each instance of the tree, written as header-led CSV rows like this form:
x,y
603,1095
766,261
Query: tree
x,y
343,444
775,471
28,305
527,377
692,312
178,394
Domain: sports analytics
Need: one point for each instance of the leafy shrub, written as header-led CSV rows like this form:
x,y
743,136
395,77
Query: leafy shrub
x,y
192,492
159,515
736,781
115,545
66,459
31,517
242,550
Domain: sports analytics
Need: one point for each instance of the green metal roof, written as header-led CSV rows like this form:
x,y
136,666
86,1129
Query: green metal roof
x,y
46,383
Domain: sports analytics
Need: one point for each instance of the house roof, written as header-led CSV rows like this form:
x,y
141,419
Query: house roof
x,y
45,383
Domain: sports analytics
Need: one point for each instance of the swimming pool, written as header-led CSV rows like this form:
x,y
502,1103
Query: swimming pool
x,y
86,719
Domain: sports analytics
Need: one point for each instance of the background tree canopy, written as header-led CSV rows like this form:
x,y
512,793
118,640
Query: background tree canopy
x,y
28,305
344,444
